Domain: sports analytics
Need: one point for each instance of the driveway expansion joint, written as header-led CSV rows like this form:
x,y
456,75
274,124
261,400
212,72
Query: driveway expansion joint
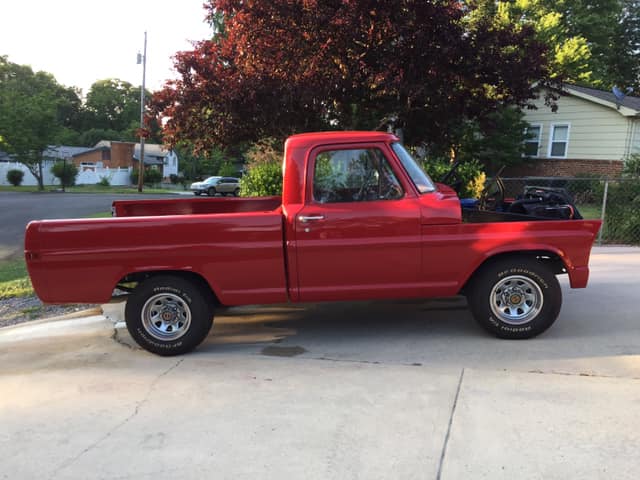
x,y
447,435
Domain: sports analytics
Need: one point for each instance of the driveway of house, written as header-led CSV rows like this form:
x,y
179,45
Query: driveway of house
x,y
372,390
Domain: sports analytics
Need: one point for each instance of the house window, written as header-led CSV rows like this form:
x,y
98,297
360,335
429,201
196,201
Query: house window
x,y
559,141
533,133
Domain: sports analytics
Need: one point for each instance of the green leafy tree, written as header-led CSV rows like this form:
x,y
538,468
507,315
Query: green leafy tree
x,y
35,111
112,108
65,172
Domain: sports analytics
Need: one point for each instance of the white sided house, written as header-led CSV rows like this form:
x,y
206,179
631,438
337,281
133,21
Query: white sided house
x,y
592,132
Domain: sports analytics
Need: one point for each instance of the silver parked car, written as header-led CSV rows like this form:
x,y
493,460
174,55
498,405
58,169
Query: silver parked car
x,y
213,185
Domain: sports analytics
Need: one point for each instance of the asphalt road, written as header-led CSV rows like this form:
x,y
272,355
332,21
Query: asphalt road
x,y
18,209
382,390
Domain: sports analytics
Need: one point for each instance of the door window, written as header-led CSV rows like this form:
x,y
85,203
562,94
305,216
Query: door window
x,y
354,175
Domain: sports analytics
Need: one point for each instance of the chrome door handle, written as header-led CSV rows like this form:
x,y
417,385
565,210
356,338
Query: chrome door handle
x,y
312,218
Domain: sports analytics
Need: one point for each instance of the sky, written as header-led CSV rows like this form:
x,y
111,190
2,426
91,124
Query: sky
x,y
81,41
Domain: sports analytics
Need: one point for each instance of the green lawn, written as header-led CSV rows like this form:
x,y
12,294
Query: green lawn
x,y
14,279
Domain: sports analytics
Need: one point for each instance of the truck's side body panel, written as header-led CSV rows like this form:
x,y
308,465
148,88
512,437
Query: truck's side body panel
x,y
240,255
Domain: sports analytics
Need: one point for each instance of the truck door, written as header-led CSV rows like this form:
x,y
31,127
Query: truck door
x,y
358,234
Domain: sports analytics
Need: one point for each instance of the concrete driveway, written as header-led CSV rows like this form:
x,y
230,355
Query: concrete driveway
x,y
380,390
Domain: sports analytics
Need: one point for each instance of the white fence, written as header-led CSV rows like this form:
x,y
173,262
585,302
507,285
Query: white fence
x,y
28,178
116,176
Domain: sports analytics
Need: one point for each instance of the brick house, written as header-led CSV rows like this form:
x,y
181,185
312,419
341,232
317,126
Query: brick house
x,y
591,132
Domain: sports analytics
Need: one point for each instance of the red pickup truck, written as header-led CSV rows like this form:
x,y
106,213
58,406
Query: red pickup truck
x,y
358,219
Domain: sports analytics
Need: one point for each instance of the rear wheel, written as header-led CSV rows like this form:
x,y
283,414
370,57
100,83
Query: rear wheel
x,y
169,315
515,299
236,192
211,192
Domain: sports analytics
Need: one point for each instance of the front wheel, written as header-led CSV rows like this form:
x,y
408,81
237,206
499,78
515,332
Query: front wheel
x,y
168,315
515,299
211,192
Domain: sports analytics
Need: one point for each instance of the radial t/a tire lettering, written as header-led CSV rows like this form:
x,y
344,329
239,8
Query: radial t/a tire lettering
x,y
168,315
515,298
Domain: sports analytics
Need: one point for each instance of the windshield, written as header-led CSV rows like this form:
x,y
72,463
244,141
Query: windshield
x,y
212,180
420,179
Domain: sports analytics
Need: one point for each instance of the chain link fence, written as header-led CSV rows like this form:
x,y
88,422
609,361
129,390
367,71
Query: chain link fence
x,y
615,201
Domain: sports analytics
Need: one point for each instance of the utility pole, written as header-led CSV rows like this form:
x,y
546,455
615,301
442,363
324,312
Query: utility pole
x,y
142,58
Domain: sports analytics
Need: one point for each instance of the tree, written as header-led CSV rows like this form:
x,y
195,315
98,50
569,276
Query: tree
x,y
624,60
112,108
284,67
593,42
35,111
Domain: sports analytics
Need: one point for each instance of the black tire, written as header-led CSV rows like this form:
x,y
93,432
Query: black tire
x,y
515,298
197,194
236,192
169,315
211,192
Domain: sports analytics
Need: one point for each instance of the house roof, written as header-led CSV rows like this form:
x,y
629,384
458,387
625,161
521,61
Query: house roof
x,y
152,149
63,151
629,106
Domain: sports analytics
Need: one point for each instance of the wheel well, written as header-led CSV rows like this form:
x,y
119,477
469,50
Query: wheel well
x,y
126,282
550,259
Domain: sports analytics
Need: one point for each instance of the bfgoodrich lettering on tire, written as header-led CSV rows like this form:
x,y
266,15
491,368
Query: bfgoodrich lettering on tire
x,y
168,315
515,298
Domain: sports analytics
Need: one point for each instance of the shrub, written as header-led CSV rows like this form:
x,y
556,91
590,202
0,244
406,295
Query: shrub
x,y
151,176
632,166
586,189
623,212
469,173
104,182
261,180
65,172
15,177
264,170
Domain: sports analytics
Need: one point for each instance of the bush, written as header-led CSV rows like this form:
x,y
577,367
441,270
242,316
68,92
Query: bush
x,y
623,212
104,182
151,176
632,166
15,177
469,173
262,180
65,172
264,170
586,189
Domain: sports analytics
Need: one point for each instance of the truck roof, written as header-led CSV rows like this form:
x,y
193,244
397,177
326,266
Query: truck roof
x,y
315,138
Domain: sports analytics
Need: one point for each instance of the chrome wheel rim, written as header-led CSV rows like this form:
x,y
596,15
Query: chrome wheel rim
x,y
516,300
166,317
